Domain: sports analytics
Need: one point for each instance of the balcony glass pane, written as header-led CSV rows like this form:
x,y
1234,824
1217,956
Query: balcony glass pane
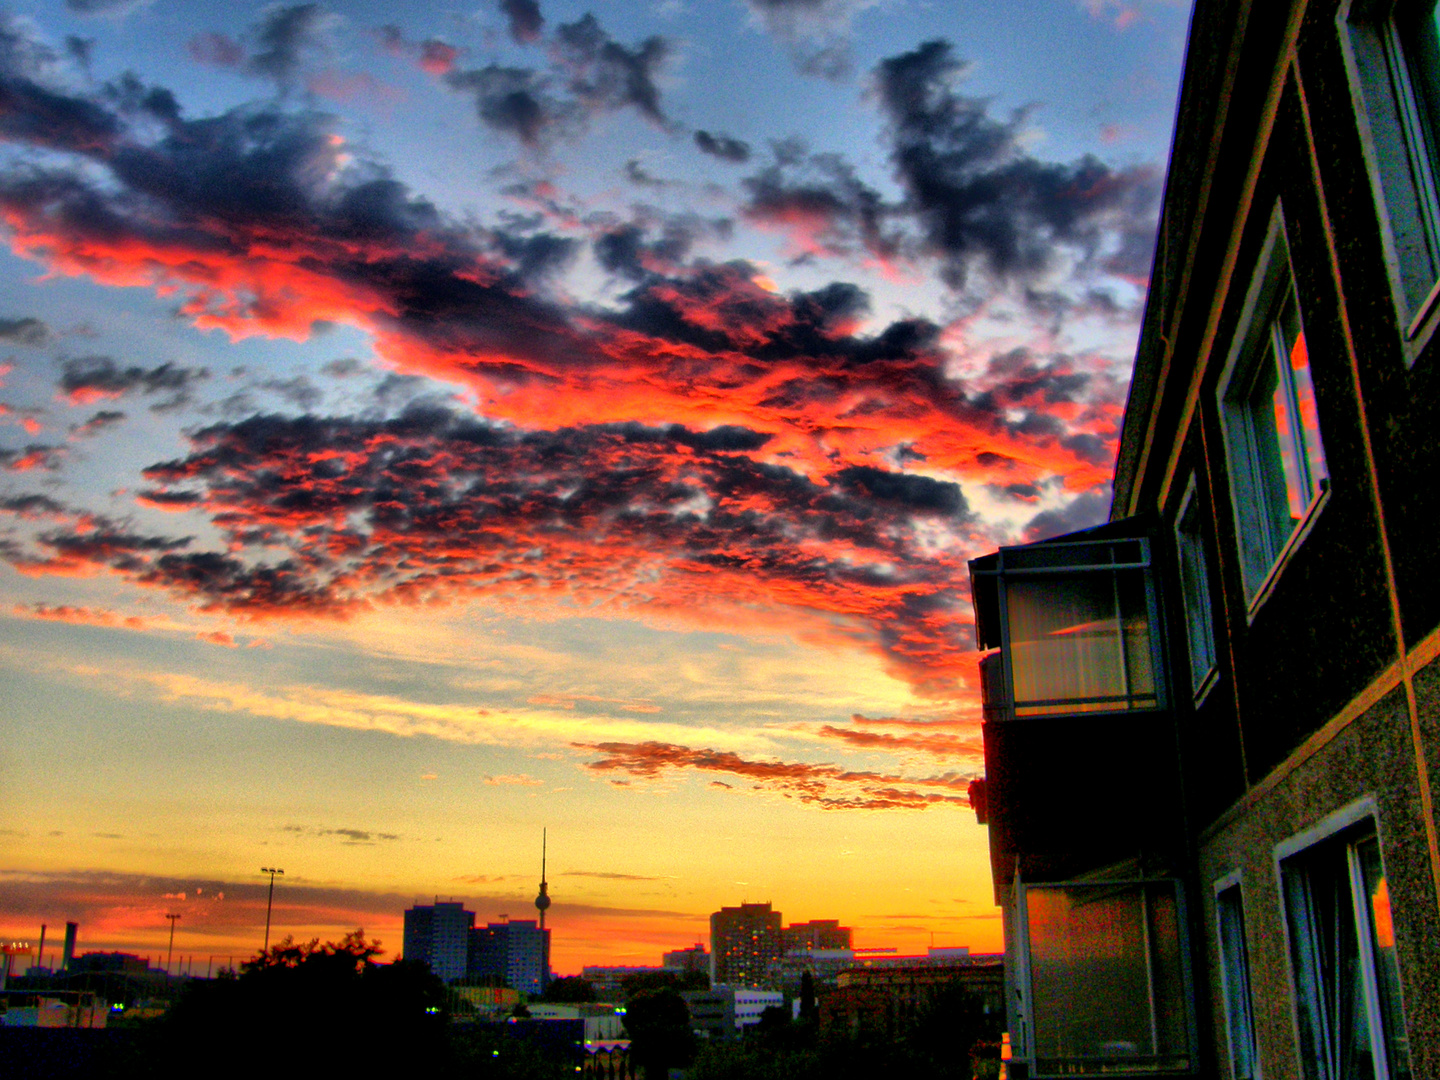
x,y
1080,643
1106,979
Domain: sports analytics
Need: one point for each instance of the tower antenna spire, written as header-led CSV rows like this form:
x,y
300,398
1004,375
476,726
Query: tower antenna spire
x,y
543,900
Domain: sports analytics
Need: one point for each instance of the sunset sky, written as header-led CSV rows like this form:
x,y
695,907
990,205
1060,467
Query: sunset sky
x,y
423,424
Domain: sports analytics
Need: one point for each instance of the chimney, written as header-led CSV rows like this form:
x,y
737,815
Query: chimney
x,y
71,929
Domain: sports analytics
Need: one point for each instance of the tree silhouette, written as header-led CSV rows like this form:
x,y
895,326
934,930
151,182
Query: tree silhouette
x,y
658,1022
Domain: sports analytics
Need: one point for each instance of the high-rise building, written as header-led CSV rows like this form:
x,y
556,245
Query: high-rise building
x,y
817,934
439,935
744,941
516,953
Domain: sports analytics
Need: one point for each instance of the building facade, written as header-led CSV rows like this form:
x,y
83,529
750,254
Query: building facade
x,y
515,953
817,934
744,942
695,958
439,935
1212,725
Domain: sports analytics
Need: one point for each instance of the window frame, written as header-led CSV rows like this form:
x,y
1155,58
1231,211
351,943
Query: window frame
x,y
1233,882
1269,282
1346,828
1024,1034
1008,711
1200,682
1400,161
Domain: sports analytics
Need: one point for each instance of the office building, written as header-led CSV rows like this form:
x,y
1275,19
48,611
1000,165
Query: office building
x,y
439,935
695,958
744,941
514,953
1212,724
817,934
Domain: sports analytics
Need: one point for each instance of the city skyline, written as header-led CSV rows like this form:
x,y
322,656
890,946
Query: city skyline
x,y
420,428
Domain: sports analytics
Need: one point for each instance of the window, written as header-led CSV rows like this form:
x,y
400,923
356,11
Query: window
x,y
1235,983
1109,988
1195,589
1272,428
1394,54
1342,952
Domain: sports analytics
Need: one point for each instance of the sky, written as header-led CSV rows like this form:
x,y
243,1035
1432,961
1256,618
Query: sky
x,y
422,426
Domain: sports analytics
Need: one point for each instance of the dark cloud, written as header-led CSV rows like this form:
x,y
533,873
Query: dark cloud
x,y
516,101
591,73
979,197
1085,510
723,147
606,75
93,378
524,18
25,330
104,7
31,506
821,203
917,493
285,37
34,456
98,422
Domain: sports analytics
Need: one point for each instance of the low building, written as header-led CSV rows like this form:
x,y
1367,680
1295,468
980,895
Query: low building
x,y
609,981
603,1023
694,958
54,1009
725,1012
111,961
884,1000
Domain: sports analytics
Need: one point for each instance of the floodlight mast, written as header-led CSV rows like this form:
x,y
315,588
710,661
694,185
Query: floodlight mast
x,y
170,953
269,902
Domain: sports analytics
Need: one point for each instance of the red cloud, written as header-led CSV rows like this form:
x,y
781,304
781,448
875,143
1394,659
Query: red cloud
x,y
81,616
824,785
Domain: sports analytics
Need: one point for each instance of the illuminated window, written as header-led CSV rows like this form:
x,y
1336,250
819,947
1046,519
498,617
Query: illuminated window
x,y
1235,983
1342,952
1272,427
1195,588
1394,51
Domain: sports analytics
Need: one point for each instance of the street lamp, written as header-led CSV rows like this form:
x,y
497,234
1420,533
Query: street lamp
x,y
171,952
269,902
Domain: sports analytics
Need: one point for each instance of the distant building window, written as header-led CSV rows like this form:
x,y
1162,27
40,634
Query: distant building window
x,y
1109,989
1235,984
1342,945
1195,588
1396,53
1272,427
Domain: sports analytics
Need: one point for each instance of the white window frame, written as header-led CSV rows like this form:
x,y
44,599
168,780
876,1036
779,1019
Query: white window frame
x,y
1271,277
1360,819
1200,681
1400,164
1234,882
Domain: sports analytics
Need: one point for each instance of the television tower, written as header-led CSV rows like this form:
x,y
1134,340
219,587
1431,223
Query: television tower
x,y
543,900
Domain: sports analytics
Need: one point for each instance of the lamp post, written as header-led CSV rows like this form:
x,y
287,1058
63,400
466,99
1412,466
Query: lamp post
x,y
272,872
171,952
